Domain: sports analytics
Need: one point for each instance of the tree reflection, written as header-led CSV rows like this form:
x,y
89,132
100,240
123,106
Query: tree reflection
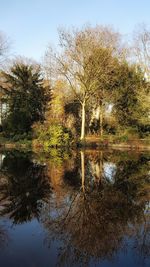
x,y
142,238
24,189
90,201
100,213
4,238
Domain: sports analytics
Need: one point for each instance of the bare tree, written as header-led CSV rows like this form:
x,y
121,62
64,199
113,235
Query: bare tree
x,y
82,59
73,65
141,48
4,47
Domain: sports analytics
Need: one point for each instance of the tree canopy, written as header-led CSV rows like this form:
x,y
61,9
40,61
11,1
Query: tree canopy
x,y
27,97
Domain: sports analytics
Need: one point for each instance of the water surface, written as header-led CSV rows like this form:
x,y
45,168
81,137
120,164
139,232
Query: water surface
x,y
78,208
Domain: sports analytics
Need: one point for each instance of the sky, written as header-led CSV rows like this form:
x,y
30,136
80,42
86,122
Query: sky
x,y
32,24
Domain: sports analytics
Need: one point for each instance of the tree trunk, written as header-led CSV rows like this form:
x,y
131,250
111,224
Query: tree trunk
x,y
101,121
101,165
83,170
83,121
0,112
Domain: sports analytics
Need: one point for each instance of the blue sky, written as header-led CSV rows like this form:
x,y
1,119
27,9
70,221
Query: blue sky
x,y
32,24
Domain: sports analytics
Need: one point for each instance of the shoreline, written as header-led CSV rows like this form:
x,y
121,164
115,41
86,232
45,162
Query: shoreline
x,y
86,144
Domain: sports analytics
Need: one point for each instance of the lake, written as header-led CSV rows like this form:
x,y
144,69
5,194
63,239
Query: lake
x,y
75,208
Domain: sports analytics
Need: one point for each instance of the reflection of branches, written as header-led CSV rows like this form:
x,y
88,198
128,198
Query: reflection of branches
x,y
142,238
70,207
3,237
95,225
90,228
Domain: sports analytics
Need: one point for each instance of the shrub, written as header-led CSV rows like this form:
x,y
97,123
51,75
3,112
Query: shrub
x,y
21,137
127,134
54,135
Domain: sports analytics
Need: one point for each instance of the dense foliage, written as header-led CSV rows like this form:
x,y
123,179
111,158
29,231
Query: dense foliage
x,y
26,98
53,135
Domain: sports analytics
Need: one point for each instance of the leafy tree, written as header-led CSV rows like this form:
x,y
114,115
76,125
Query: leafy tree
x,y
56,112
27,97
128,102
105,65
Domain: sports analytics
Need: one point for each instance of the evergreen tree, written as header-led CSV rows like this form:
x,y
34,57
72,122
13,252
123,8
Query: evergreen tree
x,y
27,98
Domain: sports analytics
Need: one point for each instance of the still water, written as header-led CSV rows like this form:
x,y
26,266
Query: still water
x,y
79,208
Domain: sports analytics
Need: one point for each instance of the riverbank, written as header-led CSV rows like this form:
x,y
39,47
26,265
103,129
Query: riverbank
x,y
89,142
96,142
21,144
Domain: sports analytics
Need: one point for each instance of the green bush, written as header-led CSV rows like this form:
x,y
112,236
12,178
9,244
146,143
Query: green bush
x,y
124,138
54,135
127,134
21,137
